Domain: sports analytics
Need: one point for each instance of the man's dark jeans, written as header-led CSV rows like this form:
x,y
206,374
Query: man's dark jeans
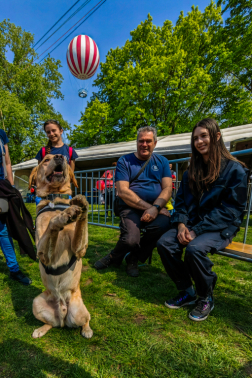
x,y
131,240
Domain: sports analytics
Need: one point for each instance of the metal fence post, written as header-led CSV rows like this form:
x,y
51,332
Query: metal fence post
x,y
248,215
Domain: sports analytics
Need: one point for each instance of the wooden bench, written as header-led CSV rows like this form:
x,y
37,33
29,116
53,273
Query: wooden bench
x,y
234,250
238,251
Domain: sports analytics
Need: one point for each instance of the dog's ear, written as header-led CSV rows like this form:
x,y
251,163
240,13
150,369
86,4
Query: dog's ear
x,y
33,177
72,177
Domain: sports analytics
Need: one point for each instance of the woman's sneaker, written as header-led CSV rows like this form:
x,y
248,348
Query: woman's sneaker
x,y
20,277
182,299
202,310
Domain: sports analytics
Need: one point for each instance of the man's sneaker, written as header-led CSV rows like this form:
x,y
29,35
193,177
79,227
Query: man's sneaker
x,y
202,310
20,277
105,262
182,299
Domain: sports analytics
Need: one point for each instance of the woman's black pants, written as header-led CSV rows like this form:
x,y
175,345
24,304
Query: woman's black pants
x,y
196,265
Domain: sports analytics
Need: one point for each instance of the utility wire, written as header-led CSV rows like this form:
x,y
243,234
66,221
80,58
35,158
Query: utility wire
x,y
55,23
69,18
74,29
28,65
94,9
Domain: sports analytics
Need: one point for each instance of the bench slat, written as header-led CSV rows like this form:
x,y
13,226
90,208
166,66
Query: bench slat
x,y
240,249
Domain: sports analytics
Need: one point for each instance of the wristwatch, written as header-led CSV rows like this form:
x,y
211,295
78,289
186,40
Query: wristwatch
x,y
157,206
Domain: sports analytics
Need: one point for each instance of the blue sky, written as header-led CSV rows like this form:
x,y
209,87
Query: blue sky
x,y
110,27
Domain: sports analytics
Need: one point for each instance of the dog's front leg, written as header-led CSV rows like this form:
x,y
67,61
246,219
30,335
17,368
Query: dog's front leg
x,y
47,242
80,240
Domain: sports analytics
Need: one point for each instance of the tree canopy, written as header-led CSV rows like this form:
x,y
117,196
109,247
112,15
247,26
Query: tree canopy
x,y
26,91
170,77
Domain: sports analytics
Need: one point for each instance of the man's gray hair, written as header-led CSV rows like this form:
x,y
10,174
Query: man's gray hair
x,y
145,129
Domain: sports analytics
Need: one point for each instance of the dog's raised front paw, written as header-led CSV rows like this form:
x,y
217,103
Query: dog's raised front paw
x,y
67,216
80,201
72,213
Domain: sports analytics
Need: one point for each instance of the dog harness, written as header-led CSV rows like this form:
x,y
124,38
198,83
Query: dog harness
x,y
52,197
51,207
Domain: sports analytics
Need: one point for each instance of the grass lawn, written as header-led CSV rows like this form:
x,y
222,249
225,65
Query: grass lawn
x,y
135,335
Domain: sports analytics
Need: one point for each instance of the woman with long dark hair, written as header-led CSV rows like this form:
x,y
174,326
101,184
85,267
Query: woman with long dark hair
x,y
209,210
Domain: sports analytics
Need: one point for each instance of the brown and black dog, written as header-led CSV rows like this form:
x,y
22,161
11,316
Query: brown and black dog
x,y
60,235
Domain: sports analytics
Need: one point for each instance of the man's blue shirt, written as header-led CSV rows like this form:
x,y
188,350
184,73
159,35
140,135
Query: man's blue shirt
x,y
148,185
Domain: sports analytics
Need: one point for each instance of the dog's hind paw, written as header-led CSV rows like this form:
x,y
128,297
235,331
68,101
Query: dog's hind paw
x,y
87,333
39,332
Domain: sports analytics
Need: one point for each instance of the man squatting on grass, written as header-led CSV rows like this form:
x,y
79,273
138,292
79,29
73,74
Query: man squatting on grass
x,y
142,203
209,210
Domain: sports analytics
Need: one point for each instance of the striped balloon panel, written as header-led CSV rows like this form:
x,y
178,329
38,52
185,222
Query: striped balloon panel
x,y
83,57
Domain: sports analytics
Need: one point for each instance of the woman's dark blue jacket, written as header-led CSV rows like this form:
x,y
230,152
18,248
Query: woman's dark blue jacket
x,y
220,208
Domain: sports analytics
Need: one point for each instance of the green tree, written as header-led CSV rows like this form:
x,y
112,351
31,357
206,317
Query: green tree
x,y
26,91
169,77
236,63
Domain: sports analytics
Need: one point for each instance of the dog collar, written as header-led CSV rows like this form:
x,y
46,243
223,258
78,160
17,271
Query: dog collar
x,y
61,269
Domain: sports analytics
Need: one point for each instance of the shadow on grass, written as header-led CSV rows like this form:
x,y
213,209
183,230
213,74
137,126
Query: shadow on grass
x,y
20,359
21,296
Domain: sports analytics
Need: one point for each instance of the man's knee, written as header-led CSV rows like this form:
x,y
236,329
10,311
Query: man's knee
x,y
131,240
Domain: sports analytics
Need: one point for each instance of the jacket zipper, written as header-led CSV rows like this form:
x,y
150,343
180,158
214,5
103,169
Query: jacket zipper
x,y
199,205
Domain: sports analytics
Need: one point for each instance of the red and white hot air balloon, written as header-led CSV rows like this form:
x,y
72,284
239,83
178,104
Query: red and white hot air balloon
x,y
83,57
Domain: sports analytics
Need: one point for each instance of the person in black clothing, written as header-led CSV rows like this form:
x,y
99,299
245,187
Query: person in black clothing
x,y
8,192
208,213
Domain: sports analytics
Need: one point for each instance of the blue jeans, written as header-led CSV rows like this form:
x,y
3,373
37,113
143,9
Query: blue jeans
x,y
7,246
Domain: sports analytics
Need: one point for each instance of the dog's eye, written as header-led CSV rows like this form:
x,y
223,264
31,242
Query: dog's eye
x,y
47,160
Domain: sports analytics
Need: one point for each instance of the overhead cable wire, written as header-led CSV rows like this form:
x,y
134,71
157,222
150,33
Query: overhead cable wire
x,y
55,23
69,18
74,30
94,9
28,65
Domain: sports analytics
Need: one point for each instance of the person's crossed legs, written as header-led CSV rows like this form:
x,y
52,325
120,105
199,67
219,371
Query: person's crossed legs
x,y
196,266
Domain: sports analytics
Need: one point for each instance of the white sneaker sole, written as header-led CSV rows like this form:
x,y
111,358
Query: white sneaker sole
x,y
178,307
200,320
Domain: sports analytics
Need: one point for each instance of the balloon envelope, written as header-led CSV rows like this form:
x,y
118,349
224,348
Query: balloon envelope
x,y
83,57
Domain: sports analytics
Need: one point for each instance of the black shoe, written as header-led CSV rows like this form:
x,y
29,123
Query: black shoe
x,y
20,277
132,266
182,299
105,262
132,270
202,310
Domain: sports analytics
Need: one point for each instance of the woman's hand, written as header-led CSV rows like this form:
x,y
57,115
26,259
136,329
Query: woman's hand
x,y
184,236
193,235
